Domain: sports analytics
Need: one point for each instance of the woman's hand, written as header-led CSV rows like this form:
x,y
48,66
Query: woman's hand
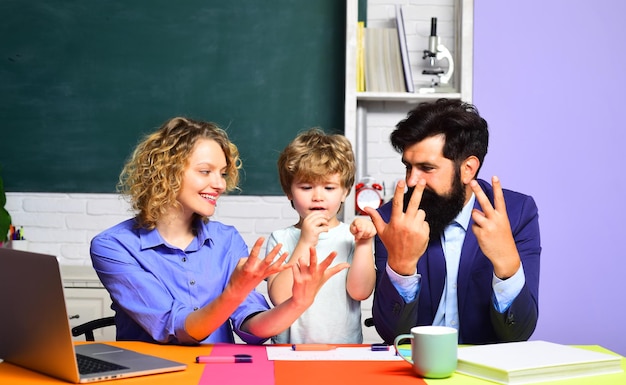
x,y
253,270
309,278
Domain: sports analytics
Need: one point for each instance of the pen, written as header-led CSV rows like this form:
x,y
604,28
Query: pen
x,y
312,347
236,359
380,347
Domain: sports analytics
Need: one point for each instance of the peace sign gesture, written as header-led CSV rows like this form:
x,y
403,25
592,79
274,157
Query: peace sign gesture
x,y
406,235
493,230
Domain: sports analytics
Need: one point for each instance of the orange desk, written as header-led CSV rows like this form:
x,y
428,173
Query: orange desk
x,y
285,372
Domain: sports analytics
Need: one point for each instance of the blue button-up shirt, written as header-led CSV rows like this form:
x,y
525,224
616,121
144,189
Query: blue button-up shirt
x,y
452,243
155,286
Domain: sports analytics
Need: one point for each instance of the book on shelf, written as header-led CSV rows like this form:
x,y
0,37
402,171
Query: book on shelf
x,y
404,51
529,362
360,57
383,63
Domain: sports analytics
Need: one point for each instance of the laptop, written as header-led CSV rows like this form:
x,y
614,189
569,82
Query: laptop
x,y
35,329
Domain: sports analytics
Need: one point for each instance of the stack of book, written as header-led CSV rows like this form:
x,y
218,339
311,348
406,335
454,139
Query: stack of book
x,y
534,361
382,58
360,57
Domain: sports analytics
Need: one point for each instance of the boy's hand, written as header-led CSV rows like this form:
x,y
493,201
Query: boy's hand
x,y
362,229
312,226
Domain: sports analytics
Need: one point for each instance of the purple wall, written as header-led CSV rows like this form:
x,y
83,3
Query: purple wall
x,y
550,78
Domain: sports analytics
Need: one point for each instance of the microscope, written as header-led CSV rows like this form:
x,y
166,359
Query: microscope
x,y
435,53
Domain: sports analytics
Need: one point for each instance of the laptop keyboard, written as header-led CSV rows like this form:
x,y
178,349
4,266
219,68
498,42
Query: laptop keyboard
x,y
89,365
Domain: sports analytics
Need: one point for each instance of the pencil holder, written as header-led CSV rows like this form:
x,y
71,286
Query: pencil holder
x,y
19,244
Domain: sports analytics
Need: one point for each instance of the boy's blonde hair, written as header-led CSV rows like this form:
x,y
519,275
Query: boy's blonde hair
x,y
314,155
152,177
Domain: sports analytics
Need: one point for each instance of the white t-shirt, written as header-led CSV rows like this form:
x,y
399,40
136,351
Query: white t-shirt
x,y
334,317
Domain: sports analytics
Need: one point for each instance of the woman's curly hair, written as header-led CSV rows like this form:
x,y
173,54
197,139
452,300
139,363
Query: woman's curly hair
x,y
152,177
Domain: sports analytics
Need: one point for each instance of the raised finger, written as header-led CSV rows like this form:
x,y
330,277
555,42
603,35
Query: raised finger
x,y
478,217
498,195
256,249
295,269
416,198
482,199
312,256
329,259
271,256
377,220
398,199
278,263
335,269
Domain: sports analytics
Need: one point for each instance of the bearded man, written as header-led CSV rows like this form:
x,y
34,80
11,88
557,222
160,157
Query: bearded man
x,y
454,250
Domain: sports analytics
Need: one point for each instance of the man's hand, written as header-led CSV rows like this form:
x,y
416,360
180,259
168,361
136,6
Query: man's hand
x,y
406,235
493,230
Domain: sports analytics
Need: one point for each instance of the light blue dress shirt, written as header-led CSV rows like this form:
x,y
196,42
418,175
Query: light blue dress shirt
x,y
452,243
155,286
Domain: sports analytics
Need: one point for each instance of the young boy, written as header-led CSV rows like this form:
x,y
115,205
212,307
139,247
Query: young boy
x,y
317,171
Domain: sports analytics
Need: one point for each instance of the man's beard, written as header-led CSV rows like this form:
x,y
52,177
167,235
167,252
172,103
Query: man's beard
x,y
441,209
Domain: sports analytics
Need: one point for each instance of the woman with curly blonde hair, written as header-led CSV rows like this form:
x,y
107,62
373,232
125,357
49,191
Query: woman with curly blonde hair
x,y
173,275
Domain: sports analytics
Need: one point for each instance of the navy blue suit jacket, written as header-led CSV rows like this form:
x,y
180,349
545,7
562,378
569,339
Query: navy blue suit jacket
x,y
480,322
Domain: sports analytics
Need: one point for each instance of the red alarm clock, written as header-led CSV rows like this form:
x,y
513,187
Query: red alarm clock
x,y
368,196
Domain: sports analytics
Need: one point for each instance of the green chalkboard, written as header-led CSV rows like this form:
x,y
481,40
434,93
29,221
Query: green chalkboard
x,y
81,82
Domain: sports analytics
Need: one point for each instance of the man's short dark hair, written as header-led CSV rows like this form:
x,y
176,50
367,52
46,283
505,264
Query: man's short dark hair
x,y
465,131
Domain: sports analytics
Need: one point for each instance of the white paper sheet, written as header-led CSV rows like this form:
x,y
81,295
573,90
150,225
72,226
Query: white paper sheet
x,y
285,353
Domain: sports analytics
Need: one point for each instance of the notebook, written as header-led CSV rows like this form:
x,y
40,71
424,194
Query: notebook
x,y
35,329
528,362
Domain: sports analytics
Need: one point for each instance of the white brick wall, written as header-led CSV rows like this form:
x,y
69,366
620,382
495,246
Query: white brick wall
x,y
383,162
63,224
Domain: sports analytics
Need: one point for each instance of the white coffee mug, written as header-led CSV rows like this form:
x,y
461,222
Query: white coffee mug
x,y
433,350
